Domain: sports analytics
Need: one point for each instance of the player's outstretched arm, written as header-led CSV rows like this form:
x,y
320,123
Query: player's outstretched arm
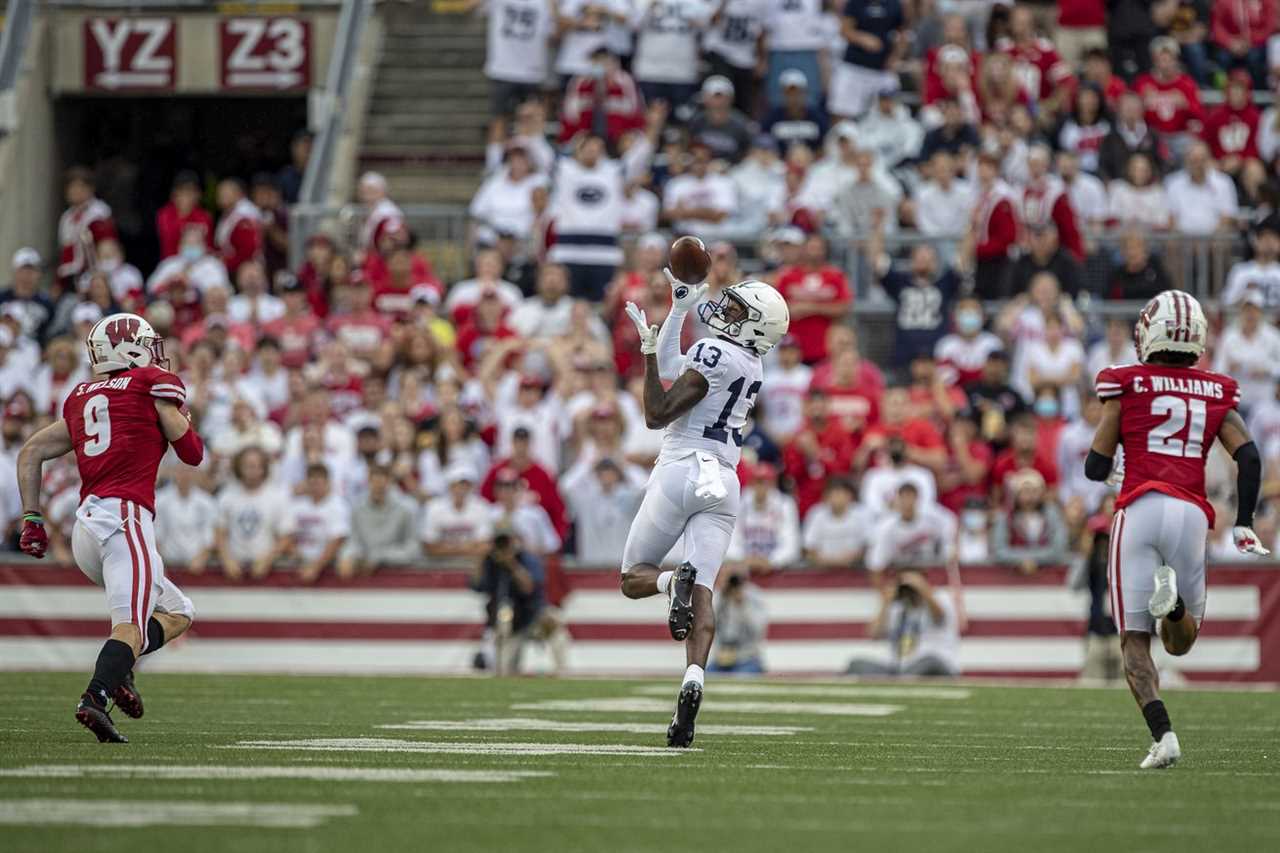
x,y
177,429
1235,437
49,443
662,406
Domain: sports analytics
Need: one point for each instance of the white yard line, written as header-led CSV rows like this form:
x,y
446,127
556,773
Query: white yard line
x,y
373,744
851,691
528,724
220,771
102,814
627,704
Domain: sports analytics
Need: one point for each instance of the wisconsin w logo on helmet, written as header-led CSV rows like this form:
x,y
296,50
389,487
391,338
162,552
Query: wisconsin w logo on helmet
x,y
124,341
122,327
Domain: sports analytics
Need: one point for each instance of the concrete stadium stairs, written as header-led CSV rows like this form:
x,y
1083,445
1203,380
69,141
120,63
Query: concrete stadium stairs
x,y
427,116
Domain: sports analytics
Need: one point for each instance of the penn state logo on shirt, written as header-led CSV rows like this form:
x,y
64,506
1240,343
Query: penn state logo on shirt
x,y
591,194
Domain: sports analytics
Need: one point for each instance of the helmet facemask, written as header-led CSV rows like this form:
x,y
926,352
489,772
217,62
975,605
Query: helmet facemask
x,y
715,315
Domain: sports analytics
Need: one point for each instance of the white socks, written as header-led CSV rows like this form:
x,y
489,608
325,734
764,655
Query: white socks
x,y
694,673
664,581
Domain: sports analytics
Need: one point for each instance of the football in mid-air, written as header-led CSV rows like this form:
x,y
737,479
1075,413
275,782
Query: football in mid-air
x,y
690,261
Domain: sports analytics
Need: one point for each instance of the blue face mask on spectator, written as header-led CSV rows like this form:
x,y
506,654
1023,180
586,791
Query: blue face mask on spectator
x,y
191,254
1047,407
969,321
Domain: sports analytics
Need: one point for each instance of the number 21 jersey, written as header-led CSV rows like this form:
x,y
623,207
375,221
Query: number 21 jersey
x,y
734,376
116,432
1169,419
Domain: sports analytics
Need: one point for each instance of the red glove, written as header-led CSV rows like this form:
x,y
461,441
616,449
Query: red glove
x,y
34,539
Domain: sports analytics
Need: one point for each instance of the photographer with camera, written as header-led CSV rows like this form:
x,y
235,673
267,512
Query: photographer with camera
x,y
516,607
922,628
741,626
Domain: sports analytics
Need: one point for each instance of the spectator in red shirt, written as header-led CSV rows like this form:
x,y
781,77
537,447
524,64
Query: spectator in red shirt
x,y
922,440
1045,200
482,327
841,339
1045,77
85,223
817,293
296,331
1239,30
1023,452
1171,97
534,476
819,450
993,231
183,211
1231,128
608,104
354,321
1098,72
854,395
966,473
392,293
1081,24
238,237
316,272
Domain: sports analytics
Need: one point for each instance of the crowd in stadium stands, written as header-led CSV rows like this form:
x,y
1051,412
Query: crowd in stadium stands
x,y
362,413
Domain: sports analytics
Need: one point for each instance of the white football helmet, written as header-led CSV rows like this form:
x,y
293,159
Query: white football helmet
x,y
1172,321
765,322
122,341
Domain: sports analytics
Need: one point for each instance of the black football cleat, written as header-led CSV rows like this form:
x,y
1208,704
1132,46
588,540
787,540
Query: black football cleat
x,y
680,611
95,718
680,732
127,697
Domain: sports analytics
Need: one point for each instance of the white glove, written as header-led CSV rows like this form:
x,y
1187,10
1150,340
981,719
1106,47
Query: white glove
x,y
1116,478
648,334
683,296
1247,541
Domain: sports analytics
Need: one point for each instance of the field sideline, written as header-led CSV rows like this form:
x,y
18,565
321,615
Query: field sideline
x,y
262,763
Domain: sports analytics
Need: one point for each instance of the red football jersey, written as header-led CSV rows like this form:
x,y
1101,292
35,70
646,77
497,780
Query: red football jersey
x,y
1169,419
116,432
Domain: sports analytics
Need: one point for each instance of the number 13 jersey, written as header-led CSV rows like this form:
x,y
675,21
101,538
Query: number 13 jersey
x,y
715,424
1169,419
116,432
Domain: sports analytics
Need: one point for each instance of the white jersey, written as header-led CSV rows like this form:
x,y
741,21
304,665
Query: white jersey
x,y
795,25
715,423
736,36
667,39
587,205
520,33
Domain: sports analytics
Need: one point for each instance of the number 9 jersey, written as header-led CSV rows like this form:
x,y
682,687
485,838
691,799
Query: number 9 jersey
x,y
734,375
116,432
1169,419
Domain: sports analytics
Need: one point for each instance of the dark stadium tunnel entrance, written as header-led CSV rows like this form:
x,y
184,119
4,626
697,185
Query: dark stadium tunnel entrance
x,y
136,145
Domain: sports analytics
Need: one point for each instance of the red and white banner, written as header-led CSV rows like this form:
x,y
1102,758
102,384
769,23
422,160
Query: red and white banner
x,y
428,622
129,54
265,53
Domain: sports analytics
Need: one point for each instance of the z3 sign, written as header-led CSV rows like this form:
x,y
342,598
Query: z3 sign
x,y
265,53
129,53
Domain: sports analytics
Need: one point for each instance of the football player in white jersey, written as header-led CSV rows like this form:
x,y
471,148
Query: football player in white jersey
x,y
693,490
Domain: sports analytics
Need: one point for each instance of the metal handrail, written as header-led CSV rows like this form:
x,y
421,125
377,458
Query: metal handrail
x,y
332,105
13,42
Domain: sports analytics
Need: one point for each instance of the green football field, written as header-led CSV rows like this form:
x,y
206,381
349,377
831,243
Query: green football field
x,y
403,764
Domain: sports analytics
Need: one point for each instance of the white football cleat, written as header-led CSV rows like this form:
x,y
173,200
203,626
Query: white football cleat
x,y
1163,753
1165,598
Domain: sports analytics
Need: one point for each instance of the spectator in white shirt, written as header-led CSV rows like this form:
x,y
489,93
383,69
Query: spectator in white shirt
x,y
547,313
504,201
316,525
193,265
250,517
466,293
1249,350
253,303
786,386
1116,347
1138,198
124,278
762,187
881,484
943,204
1032,532
1203,199
665,63
267,379
796,37
1087,194
603,498
458,524
184,535
698,201
836,531
767,533
1054,361
889,130
915,533
1262,273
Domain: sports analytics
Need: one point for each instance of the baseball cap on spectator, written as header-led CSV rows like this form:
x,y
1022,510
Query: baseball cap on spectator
x,y
529,380
1240,77
287,282
953,53
26,257
603,412
18,406
85,312
759,471
506,477
186,178
1165,44
320,239
793,78
1255,297
889,88
373,180
521,433
846,131
717,84
1270,223
264,179
765,142
790,234
424,294
652,240
789,341
459,474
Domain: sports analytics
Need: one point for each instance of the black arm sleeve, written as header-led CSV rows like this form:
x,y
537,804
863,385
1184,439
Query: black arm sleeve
x,y
1096,466
1248,479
